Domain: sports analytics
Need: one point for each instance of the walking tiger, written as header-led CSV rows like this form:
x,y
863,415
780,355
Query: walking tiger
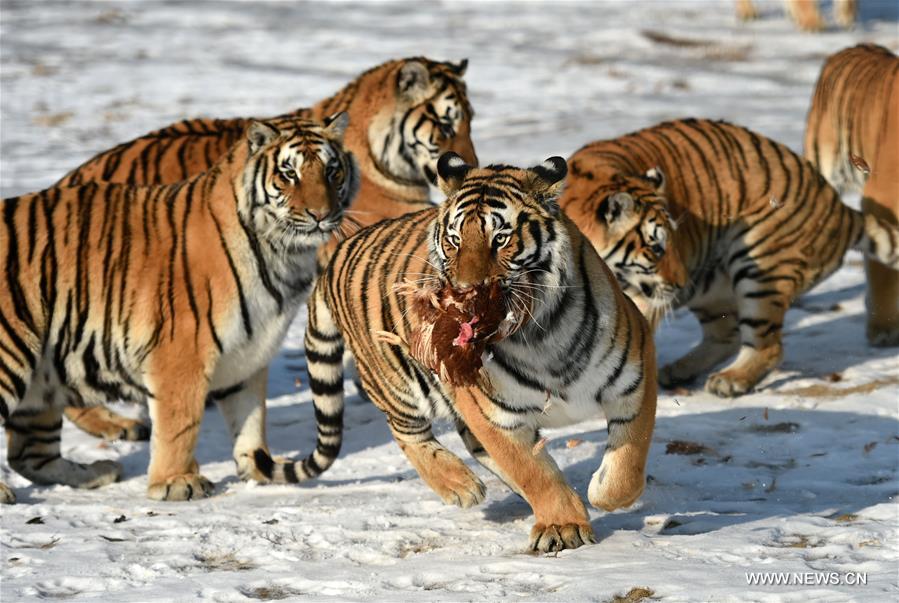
x,y
722,220
165,295
583,346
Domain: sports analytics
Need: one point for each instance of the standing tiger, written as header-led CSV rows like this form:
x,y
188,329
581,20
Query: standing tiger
x,y
852,136
583,348
806,13
164,295
403,115
723,220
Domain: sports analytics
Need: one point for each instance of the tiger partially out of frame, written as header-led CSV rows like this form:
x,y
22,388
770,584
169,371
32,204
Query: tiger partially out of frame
x,y
715,217
403,115
852,137
583,347
164,294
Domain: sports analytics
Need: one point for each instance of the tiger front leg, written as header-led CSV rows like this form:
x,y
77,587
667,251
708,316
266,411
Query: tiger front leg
x,y
176,409
621,477
561,518
761,311
442,470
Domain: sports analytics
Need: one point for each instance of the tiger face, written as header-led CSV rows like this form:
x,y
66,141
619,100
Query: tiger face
x,y
634,234
430,116
299,179
498,223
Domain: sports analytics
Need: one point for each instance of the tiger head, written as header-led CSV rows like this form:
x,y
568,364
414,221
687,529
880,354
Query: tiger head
x,y
298,179
633,231
500,223
423,113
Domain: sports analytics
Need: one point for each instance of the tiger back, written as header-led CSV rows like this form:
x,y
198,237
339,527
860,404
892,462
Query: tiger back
x,y
852,137
583,347
165,295
723,220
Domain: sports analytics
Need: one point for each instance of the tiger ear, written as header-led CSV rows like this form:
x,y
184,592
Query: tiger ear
x,y
413,80
547,182
460,68
616,206
335,125
656,177
260,133
452,170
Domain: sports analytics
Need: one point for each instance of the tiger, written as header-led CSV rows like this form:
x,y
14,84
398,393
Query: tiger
x,y
583,346
164,294
852,137
727,222
403,114
806,14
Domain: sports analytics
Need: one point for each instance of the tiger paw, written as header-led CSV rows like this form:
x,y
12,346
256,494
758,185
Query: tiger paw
x,y
883,337
460,487
727,385
190,486
102,472
610,489
7,496
671,376
551,538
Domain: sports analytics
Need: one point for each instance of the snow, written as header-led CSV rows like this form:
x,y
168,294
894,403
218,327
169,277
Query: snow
x,y
798,477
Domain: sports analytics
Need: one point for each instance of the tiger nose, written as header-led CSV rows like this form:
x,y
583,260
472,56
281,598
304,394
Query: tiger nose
x,y
317,214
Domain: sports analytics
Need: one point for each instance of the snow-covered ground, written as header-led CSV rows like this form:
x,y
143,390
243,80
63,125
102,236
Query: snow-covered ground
x,y
799,477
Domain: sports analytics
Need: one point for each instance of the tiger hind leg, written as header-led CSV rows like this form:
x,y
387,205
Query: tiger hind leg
x,y
479,453
806,14
561,518
33,451
845,12
176,410
882,326
442,470
101,422
746,10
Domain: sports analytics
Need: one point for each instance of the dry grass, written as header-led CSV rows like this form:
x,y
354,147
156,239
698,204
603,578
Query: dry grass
x,y
634,595
820,390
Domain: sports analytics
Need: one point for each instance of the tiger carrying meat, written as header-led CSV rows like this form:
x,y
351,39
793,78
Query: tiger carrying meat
x,y
164,295
852,137
580,345
403,115
724,221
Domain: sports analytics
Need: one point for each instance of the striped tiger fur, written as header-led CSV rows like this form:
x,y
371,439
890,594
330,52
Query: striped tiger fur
x,y
583,347
164,295
403,114
723,220
852,136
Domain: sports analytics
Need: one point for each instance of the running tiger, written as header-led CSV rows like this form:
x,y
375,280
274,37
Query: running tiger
x,y
164,295
403,115
852,136
583,346
725,221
